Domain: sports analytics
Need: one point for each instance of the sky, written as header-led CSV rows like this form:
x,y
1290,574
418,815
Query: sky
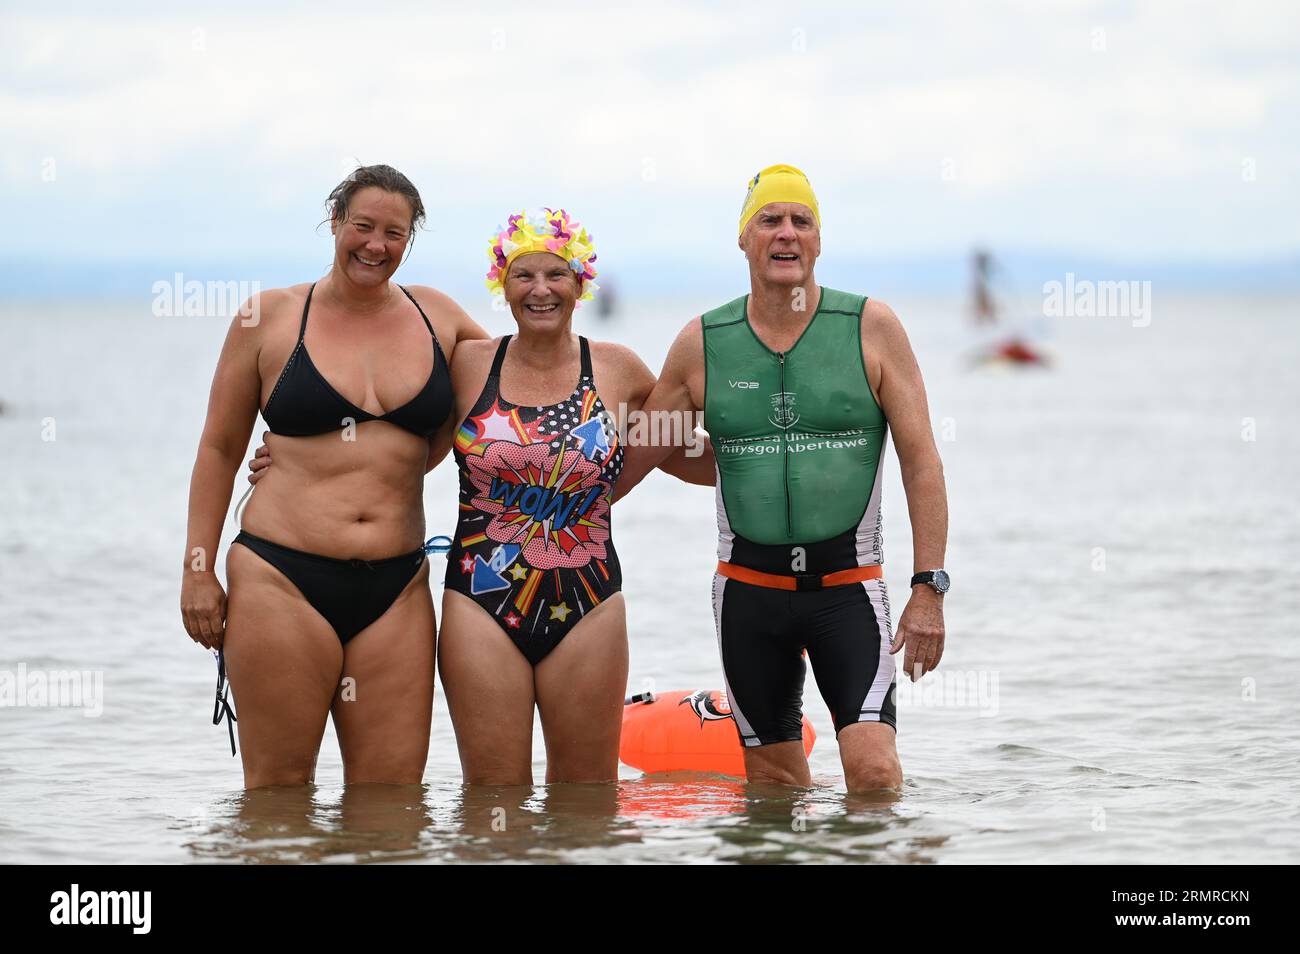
x,y
150,137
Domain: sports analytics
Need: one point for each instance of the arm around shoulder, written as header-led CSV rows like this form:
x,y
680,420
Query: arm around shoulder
x,y
671,397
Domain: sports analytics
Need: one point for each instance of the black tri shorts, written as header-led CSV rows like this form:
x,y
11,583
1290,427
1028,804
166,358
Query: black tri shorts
x,y
762,635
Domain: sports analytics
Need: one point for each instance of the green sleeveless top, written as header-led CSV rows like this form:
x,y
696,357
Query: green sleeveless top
x,y
798,435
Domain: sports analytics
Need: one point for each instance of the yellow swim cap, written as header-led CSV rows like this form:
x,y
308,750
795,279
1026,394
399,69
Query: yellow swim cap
x,y
778,184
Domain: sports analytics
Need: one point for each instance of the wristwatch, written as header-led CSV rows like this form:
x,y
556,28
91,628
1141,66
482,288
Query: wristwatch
x,y
935,578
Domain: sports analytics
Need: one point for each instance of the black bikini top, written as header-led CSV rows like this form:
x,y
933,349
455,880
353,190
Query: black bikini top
x,y
303,403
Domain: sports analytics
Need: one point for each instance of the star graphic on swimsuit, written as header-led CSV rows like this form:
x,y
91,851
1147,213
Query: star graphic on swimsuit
x,y
466,564
512,620
496,426
518,572
561,612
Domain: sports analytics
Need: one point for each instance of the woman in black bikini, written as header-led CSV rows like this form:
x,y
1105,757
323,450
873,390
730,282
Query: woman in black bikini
x,y
329,610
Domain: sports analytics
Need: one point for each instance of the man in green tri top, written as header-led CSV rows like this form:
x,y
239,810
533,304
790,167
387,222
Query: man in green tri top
x,y
800,386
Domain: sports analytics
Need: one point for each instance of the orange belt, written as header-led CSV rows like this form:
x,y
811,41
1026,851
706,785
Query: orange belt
x,y
802,581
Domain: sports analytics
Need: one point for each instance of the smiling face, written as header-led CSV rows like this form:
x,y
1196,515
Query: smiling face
x,y
369,244
782,242
542,290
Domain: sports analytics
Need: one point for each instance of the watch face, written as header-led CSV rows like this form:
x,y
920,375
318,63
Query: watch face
x,y
941,581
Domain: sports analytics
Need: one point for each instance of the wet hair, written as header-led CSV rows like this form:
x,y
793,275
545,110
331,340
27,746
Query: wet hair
x,y
381,177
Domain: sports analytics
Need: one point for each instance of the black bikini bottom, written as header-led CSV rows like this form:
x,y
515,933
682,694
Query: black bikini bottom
x,y
350,594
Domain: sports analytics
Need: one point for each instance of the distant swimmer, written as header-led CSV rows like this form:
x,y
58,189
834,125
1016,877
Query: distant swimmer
x,y
607,303
800,386
985,308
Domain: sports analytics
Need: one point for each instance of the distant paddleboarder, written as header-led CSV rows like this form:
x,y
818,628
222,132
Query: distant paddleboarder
x,y
1011,348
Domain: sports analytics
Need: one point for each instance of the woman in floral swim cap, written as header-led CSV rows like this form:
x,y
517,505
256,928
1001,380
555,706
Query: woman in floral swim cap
x,y
533,616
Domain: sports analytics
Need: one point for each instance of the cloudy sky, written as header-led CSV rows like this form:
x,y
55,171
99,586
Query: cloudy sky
x,y
174,134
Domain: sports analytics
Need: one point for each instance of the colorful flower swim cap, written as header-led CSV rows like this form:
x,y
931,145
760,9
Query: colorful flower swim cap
x,y
552,232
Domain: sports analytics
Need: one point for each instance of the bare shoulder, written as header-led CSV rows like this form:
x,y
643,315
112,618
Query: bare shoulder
x,y
476,351
618,358
271,312
621,375
882,330
432,300
687,349
470,367
879,317
692,334
450,320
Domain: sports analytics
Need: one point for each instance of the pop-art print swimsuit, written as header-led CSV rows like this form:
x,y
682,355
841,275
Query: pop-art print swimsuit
x,y
532,544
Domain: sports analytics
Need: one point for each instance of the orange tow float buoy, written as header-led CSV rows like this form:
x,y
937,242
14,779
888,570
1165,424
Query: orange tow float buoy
x,y
686,730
